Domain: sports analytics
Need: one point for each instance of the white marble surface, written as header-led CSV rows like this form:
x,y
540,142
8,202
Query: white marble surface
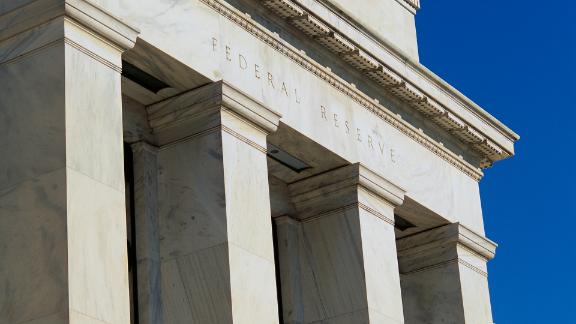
x,y
97,255
93,126
380,267
475,296
94,156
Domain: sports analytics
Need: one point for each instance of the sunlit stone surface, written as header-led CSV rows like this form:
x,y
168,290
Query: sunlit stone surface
x,y
236,161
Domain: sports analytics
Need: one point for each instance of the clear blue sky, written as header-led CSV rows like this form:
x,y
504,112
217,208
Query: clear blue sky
x,y
517,59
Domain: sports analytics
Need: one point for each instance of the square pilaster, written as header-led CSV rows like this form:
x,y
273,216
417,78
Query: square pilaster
x,y
444,275
341,244
216,249
62,204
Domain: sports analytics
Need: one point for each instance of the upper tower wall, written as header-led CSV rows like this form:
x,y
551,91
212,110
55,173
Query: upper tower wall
x,y
389,20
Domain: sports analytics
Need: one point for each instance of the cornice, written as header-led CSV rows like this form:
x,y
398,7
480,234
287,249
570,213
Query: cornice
x,y
105,24
323,73
396,83
393,56
83,12
412,5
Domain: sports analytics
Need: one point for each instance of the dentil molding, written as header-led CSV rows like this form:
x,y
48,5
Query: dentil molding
x,y
384,76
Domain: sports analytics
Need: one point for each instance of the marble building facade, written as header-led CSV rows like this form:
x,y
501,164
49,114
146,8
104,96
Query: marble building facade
x,y
236,161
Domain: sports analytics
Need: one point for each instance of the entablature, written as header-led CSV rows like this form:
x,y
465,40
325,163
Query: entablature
x,y
318,105
407,80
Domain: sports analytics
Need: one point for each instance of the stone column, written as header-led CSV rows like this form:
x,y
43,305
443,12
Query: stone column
x,y
288,232
216,246
443,276
147,237
62,206
348,270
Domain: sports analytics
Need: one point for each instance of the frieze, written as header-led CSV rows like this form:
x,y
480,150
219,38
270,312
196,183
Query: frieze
x,y
326,114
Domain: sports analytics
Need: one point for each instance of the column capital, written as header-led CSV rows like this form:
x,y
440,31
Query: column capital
x,y
442,245
207,107
342,187
446,235
83,12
